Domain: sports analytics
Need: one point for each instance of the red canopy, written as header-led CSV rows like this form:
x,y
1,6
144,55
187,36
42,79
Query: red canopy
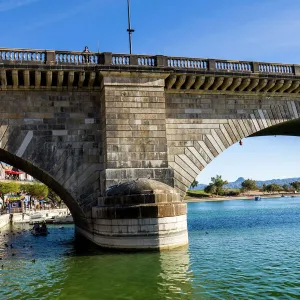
x,y
10,172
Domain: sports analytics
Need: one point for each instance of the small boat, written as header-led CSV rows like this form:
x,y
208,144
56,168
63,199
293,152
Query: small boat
x,y
257,198
283,196
63,220
36,216
39,229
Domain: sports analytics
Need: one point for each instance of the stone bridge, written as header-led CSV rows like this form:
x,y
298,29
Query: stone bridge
x,y
121,137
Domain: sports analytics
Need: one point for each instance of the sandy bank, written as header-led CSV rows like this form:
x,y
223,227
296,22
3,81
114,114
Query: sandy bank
x,y
243,197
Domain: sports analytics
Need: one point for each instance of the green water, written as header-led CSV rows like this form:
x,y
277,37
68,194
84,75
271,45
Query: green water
x,y
238,250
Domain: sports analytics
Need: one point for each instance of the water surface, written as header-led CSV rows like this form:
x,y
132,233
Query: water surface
x,y
238,250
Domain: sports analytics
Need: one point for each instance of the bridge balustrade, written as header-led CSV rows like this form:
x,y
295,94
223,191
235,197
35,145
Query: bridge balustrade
x,y
66,57
106,58
276,68
121,59
22,55
239,66
187,63
149,61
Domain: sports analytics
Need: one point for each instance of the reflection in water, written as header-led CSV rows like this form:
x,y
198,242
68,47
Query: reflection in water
x,y
175,278
129,276
63,271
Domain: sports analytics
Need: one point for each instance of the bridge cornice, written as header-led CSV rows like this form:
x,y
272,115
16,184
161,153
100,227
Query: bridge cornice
x,y
28,68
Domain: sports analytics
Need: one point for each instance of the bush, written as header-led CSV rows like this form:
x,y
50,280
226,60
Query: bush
x,y
197,194
233,193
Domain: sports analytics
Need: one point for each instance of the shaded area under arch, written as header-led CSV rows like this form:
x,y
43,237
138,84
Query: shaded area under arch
x,y
289,128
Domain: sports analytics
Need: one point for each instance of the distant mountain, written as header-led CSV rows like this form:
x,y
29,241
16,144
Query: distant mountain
x,y
237,184
277,181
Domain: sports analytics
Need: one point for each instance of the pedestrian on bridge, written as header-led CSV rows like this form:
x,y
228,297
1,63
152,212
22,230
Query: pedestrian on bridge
x,y
85,55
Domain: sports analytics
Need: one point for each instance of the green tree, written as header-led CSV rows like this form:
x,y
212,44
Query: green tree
x,y
210,189
271,188
295,185
286,188
9,187
194,184
25,188
216,185
36,190
39,191
54,198
264,188
249,185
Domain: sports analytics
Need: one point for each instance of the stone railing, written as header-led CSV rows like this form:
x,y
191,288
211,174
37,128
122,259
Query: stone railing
x,y
187,63
237,66
52,57
276,68
68,57
22,55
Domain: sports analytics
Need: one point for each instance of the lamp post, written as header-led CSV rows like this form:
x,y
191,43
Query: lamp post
x,y
130,30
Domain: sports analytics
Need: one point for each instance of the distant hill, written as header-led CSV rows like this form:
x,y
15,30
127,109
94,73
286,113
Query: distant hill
x,y
237,184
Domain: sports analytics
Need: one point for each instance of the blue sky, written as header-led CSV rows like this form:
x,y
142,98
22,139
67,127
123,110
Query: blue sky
x,y
260,30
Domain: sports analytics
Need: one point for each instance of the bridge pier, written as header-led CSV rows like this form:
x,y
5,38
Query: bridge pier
x,y
138,215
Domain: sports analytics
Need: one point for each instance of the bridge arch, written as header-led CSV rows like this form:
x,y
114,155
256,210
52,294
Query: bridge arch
x,y
227,120
43,177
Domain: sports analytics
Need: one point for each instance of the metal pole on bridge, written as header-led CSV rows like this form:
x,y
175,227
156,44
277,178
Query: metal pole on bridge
x,y
130,30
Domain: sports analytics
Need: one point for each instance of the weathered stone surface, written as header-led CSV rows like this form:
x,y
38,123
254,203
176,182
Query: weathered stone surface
x,y
196,135
145,208
140,187
141,124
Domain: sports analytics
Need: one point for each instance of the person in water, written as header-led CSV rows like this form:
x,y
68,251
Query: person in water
x,y
44,227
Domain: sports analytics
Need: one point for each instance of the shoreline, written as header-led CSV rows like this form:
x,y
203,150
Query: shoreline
x,y
245,197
